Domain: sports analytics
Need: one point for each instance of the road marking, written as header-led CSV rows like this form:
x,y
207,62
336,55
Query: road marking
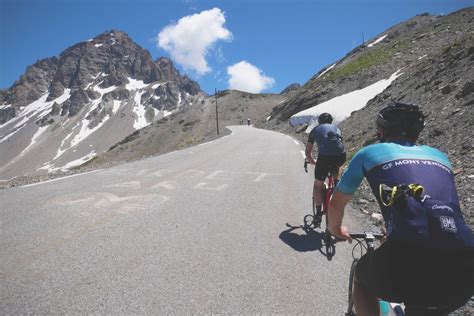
x,y
191,173
143,172
169,185
162,172
262,175
215,175
204,186
131,184
110,201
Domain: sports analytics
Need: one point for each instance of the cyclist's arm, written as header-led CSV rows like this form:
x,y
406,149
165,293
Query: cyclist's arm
x,y
337,204
345,189
309,153
309,146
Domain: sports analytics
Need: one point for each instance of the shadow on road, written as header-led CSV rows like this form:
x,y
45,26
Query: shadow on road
x,y
309,240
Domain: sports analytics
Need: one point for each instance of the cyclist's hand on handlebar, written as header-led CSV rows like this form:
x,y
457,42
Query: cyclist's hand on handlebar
x,y
342,234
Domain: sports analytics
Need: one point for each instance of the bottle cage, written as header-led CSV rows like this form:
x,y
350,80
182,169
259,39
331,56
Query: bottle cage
x,y
389,195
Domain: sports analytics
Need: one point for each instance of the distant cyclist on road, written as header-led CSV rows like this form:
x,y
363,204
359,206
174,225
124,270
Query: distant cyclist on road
x,y
428,258
331,156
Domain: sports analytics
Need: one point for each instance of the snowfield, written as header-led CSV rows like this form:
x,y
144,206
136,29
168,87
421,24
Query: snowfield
x,y
342,106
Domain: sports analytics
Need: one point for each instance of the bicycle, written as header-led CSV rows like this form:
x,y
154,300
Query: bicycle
x,y
367,241
312,221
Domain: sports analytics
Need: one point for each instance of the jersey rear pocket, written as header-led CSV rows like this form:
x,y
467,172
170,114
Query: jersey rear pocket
x,y
432,223
446,226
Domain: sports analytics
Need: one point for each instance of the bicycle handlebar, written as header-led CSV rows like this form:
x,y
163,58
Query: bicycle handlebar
x,y
367,236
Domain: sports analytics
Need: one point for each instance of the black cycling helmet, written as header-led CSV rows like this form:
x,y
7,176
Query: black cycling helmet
x,y
400,119
324,118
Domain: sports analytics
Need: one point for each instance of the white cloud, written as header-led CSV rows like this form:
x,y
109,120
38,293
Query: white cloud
x,y
246,77
189,40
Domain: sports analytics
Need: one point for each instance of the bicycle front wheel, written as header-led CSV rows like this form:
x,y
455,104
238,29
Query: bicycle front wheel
x,y
350,307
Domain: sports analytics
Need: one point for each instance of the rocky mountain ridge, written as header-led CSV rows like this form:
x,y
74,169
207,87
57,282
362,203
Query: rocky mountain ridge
x,y
106,87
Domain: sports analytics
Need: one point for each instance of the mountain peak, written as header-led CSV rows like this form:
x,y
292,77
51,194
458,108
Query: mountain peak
x,y
112,34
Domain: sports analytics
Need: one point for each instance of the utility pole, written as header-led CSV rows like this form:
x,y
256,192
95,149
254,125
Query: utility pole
x,y
217,114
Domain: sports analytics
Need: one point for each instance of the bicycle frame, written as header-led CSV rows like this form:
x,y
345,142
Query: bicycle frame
x,y
327,190
312,221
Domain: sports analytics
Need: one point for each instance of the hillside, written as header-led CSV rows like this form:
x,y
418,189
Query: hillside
x,y
435,57
193,125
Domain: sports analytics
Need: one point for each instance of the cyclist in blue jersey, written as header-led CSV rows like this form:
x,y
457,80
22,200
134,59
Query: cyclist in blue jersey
x,y
428,258
331,156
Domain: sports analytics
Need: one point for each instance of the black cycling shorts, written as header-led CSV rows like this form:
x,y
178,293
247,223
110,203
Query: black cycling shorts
x,y
325,163
402,272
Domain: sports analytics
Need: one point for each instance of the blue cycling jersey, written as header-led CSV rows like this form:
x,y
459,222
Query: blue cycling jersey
x,y
396,163
329,139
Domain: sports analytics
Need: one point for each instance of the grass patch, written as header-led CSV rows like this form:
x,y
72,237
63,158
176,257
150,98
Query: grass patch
x,y
372,57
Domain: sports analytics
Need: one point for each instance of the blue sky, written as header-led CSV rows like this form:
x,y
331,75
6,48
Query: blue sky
x,y
253,45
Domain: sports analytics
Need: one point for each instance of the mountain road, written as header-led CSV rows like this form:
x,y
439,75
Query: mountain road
x,y
201,230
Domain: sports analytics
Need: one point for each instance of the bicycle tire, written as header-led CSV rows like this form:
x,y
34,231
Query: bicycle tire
x,y
350,297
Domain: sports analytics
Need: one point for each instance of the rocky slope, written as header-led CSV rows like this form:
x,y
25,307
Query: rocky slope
x,y
435,56
65,110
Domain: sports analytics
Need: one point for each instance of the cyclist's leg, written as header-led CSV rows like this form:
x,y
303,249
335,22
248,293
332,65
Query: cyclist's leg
x,y
375,278
365,301
366,304
339,161
320,173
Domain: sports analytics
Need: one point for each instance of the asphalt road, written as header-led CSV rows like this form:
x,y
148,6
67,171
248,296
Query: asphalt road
x,y
202,230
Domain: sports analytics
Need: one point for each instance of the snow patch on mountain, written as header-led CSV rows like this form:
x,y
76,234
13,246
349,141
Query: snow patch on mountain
x,y
35,137
135,84
156,85
378,40
342,106
60,149
326,70
103,91
77,162
139,110
34,110
85,131
116,106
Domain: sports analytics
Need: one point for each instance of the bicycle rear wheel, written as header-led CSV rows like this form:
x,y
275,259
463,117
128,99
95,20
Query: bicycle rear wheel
x,y
350,307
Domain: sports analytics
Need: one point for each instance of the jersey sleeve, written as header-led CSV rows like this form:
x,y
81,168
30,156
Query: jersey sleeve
x,y
312,135
354,174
